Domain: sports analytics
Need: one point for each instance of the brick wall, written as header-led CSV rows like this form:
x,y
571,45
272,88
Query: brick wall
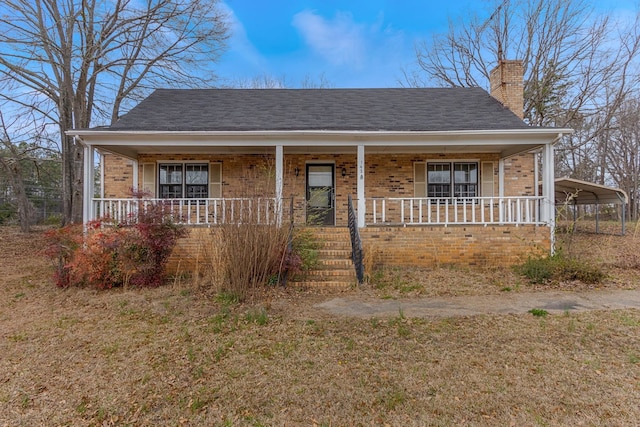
x,y
454,245
118,176
474,246
519,175
245,175
190,253
387,175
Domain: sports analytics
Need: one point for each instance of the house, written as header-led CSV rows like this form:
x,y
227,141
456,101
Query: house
x,y
437,175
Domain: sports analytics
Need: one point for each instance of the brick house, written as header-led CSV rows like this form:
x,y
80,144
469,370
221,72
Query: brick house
x,y
437,175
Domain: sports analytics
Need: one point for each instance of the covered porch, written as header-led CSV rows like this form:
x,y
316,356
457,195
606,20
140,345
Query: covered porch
x,y
307,177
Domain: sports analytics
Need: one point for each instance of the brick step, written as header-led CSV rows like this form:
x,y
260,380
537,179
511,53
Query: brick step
x,y
334,269
334,284
335,262
331,234
331,272
346,243
334,253
345,240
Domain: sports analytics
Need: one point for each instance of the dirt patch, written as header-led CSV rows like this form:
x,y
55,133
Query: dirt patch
x,y
177,356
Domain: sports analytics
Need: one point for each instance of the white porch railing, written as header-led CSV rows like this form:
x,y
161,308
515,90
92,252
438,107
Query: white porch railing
x,y
438,211
379,211
193,211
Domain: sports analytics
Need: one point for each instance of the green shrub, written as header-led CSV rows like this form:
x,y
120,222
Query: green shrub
x,y
560,268
305,246
537,270
575,269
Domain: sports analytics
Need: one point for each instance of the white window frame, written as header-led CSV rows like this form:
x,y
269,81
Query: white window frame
x,y
421,186
211,185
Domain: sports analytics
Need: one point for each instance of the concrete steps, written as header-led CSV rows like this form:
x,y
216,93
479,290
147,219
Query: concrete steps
x,y
335,269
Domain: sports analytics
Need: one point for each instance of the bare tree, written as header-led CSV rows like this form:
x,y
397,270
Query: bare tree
x,y
77,62
15,150
623,153
579,67
263,81
570,55
267,81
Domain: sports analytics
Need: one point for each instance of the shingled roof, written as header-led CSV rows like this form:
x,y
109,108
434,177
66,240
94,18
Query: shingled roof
x,y
398,109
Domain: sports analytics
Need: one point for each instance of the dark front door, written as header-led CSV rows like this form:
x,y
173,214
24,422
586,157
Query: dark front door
x,y
320,195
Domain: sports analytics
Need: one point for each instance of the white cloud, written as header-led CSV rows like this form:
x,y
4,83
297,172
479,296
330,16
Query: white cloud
x,y
340,41
239,44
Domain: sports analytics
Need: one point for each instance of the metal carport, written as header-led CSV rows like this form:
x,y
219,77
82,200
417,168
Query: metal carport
x,y
575,192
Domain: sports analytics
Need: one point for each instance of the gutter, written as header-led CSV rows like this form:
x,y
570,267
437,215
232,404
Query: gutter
x,y
284,133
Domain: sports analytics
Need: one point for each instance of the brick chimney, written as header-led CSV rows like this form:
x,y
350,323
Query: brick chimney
x,y
507,85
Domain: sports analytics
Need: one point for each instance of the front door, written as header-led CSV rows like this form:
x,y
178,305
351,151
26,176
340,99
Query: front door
x,y
320,195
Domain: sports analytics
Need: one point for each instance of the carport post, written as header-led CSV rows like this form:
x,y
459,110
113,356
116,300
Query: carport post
x,y
624,211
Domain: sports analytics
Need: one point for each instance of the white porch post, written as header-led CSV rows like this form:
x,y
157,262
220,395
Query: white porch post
x,y
548,190
101,174
279,182
536,174
87,184
360,185
134,184
501,177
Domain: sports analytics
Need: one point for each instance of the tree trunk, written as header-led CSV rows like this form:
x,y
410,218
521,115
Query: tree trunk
x,y
25,209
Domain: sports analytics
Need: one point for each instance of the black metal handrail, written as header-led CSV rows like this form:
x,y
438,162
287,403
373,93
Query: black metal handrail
x,y
285,276
356,243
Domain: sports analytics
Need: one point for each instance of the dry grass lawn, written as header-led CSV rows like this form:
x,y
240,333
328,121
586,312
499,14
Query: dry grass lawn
x,y
177,356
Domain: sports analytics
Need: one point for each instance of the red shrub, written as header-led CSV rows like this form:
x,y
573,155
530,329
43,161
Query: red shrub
x,y
116,254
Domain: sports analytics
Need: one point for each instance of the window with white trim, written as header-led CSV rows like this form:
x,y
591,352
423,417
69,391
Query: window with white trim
x,y
446,179
189,180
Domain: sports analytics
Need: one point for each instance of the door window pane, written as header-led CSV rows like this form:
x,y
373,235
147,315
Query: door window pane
x,y
320,176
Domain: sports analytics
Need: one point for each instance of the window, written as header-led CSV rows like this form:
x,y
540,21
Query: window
x,y
465,177
196,181
438,180
446,179
184,180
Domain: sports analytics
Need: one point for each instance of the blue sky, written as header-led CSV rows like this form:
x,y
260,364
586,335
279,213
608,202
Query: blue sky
x,y
357,43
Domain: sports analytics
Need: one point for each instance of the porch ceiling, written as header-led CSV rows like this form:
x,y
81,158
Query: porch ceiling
x,y
133,151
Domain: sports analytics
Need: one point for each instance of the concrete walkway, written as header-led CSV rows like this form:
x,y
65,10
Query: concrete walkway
x,y
553,302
